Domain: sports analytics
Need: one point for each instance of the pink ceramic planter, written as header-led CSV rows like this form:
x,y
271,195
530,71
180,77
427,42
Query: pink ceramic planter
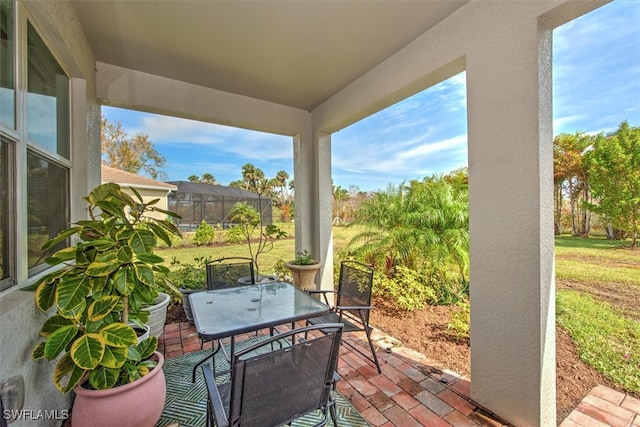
x,y
137,404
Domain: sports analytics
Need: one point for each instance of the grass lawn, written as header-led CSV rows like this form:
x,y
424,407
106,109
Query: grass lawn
x,y
598,303
283,249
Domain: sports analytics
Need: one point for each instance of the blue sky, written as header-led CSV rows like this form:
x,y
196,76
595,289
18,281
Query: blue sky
x,y
596,85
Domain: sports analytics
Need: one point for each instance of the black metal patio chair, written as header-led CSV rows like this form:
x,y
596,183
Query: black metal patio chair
x,y
223,273
270,387
353,303
230,272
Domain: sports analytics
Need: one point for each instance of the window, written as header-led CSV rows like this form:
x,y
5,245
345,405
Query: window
x,y
47,98
6,236
7,65
47,206
47,162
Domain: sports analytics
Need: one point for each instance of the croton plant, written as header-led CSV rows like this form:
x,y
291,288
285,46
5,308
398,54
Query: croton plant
x,y
97,292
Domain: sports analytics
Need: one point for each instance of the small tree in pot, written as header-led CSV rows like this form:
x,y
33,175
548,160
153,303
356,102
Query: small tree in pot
x,y
303,270
106,279
248,226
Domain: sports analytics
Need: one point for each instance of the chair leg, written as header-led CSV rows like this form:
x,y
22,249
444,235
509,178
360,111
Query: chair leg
x,y
373,350
333,413
212,356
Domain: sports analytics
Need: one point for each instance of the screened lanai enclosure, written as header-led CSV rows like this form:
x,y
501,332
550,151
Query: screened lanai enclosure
x,y
213,203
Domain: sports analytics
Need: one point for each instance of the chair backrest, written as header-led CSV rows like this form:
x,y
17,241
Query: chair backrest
x,y
272,387
354,288
225,272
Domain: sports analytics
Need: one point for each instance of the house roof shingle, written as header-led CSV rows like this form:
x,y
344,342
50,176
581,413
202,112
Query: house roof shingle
x,y
121,177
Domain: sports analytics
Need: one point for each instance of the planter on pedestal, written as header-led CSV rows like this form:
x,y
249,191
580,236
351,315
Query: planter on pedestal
x,y
304,276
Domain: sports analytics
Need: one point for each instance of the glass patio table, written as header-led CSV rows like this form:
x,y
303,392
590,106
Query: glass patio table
x,y
225,313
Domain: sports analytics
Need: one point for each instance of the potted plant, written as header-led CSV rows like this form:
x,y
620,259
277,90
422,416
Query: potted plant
x,y
94,296
190,278
157,314
303,270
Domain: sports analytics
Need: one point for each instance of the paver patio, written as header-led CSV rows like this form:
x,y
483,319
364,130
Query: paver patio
x,y
409,392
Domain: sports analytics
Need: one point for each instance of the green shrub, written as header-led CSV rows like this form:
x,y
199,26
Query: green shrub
x,y
188,275
459,328
234,235
450,292
407,288
282,271
205,234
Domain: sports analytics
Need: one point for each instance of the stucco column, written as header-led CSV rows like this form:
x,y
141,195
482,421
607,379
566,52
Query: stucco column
x,y
312,180
323,220
511,230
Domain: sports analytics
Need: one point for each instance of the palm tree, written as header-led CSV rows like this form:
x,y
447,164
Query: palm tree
x,y
423,225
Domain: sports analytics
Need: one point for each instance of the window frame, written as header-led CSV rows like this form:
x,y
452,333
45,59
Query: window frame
x,y
9,243
21,148
44,153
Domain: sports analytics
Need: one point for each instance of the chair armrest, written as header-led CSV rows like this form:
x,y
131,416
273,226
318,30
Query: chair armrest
x,y
324,293
214,397
356,307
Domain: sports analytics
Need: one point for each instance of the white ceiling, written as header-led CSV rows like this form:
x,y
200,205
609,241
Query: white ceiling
x,y
291,52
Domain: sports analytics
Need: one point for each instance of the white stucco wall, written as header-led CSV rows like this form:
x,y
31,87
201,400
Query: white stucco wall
x,y
20,319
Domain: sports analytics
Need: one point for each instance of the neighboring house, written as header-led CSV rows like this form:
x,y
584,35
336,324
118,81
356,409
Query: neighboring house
x,y
148,188
305,70
195,201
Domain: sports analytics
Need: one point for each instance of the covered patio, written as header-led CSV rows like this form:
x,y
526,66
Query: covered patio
x,y
307,70
410,392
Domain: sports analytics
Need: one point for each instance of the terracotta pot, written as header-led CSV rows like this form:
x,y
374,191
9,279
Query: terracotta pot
x,y
304,276
137,404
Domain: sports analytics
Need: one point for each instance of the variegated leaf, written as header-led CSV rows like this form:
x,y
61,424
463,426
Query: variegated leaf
x,y
66,374
54,323
119,335
144,274
38,351
74,313
72,290
59,340
101,307
114,357
147,347
142,241
103,378
46,295
87,351
103,268
150,258
125,280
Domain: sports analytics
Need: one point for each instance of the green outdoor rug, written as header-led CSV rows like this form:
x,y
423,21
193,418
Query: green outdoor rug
x,y
186,402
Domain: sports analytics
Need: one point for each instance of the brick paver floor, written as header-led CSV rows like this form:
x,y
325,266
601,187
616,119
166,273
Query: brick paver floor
x,y
410,393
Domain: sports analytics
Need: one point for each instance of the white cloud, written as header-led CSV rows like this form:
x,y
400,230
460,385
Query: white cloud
x,y
435,147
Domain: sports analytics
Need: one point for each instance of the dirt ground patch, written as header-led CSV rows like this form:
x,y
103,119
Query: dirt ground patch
x,y
574,378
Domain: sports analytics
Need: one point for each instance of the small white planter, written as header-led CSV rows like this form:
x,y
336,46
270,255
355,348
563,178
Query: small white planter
x,y
158,314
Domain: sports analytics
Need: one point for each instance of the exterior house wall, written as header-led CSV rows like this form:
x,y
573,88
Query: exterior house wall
x,y
21,321
148,188
149,194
